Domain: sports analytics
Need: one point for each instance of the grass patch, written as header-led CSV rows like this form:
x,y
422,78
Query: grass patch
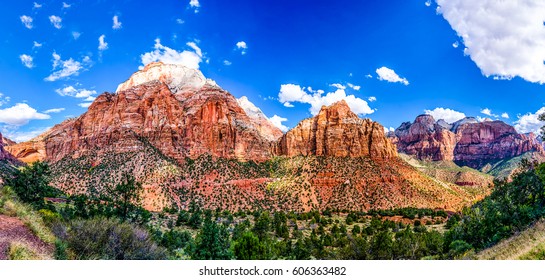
x,y
20,251
11,206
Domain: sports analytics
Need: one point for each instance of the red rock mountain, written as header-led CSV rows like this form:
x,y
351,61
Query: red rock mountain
x,y
466,142
4,154
337,131
175,108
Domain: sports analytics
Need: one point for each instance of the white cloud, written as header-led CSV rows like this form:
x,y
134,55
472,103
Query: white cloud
x,y
316,98
428,3
505,115
338,86
20,114
37,45
27,21
67,67
277,121
368,76
180,21
195,5
391,129
65,5
488,112
85,104
242,46
505,39
76,35
37,5
3,100
77,93
530,122
455,44
387,74
446,114
18,136
26,60
227,62
102,45
56,21
190,59
372,99
54,110
354,87
117,23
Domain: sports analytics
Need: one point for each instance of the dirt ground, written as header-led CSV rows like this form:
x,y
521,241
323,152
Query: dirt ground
x,y
13,230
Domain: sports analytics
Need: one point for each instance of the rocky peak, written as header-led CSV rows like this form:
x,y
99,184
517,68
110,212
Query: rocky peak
x,y
262,123
467,141
177,77
4,154
336,131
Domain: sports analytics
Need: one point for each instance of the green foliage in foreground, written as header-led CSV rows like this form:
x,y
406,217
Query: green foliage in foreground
x,y
511,208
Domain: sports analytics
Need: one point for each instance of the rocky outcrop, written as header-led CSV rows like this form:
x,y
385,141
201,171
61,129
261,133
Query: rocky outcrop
x,y
336,131
171,107
426,139
480,143
466,142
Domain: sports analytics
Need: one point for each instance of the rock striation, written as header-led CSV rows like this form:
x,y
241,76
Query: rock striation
x,y
171,107
336,131
467,142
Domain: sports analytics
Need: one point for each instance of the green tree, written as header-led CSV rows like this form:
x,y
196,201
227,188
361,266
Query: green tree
x,y
262,225
125,199
249,247
212,242
31,183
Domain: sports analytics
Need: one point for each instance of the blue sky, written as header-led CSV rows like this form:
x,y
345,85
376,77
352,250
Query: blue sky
x,y
392,59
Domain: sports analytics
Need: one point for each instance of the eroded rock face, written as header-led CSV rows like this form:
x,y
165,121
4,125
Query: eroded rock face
x,y
479,143
336,131
5,155
171,107
466,142
426,139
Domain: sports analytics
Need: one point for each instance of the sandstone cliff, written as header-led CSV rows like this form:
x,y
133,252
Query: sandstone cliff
x,y
466,142
172,107
336,131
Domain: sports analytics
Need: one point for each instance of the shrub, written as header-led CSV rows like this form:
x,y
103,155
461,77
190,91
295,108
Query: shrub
x,y
110,239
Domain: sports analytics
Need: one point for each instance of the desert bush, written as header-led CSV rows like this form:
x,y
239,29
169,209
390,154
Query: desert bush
x,y
110,239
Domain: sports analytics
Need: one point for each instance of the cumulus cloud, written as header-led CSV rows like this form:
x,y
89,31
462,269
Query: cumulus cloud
x,y
529,122
505,115
372,99
294,93
277,121
455,44
27,21
505,39
117,23
180,21
190,59
369,76
195,5
242,46
446,114
20,114
390,129
54,110
387,74
37,5
227,62
77,93
66,5
27,60
354,87
102,45
13,133
488,112
56,21
339,86
4,100
37,45
66,68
